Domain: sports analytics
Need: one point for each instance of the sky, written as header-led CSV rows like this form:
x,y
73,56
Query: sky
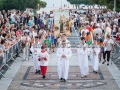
x,y
56,3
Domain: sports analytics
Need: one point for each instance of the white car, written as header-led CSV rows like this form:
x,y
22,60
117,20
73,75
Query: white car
x,y
82,11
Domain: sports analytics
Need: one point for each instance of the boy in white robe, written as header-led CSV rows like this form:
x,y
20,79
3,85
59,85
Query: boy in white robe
x,y
94,55
83,58
43,58
65,39
34,49
63,54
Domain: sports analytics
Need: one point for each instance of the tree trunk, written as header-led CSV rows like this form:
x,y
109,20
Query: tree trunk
x,y
76,6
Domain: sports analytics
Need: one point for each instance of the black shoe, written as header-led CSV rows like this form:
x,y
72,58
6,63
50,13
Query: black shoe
x,y
36,72
43,77
95,72
61,79
17,55
64,80
39,72
103,62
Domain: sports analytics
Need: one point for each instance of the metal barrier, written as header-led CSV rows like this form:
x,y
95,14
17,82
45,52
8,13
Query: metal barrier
x,y
115,55
9,55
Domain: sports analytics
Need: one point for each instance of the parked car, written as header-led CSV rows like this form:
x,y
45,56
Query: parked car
x,y
82,11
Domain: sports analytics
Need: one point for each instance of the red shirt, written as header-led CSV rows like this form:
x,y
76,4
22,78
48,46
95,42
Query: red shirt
x,y
94,27
89,28
18,32
117,39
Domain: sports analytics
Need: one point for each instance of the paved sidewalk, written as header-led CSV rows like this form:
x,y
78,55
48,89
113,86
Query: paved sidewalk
x,y
22,77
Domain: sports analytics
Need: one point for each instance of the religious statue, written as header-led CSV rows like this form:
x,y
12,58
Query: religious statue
x,y
61,25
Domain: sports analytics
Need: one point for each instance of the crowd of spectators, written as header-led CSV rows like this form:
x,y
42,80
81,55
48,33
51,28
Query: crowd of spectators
x,y
15,24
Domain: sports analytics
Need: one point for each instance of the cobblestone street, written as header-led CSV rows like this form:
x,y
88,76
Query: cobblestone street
x,y
26,79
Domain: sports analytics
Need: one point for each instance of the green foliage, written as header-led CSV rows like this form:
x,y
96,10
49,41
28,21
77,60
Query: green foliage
x,y
79,1
108,3
21,4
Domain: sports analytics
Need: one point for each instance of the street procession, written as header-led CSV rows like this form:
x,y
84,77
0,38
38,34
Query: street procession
x,y
59,45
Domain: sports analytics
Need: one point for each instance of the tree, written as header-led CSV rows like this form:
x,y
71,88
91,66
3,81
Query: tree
x,y
79,1
21,4
43,4
108,3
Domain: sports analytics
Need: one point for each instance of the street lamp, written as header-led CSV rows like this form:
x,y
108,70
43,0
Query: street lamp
x,y
61,4
38,6
114,6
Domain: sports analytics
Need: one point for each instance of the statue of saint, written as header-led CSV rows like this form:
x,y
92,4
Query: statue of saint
x,y
61,24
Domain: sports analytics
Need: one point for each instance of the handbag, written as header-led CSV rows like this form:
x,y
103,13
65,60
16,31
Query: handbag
x,y
23,44
104,48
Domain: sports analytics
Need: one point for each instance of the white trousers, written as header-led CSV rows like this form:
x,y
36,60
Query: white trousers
x,y
26,52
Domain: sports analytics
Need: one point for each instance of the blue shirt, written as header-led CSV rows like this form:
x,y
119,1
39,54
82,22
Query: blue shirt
x,y
51,37
30,22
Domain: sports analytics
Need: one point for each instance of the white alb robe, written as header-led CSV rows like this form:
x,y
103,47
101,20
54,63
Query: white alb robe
x,y
63,63
83,60
36,47
95,57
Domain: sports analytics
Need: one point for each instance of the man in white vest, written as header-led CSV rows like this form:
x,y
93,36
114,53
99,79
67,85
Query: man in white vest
x,y
64,55
94,52
34,49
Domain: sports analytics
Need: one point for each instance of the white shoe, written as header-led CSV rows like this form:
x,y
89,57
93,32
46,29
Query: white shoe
x,y
82,76
23,60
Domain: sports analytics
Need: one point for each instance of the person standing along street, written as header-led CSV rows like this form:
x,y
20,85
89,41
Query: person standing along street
x,y
26,40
